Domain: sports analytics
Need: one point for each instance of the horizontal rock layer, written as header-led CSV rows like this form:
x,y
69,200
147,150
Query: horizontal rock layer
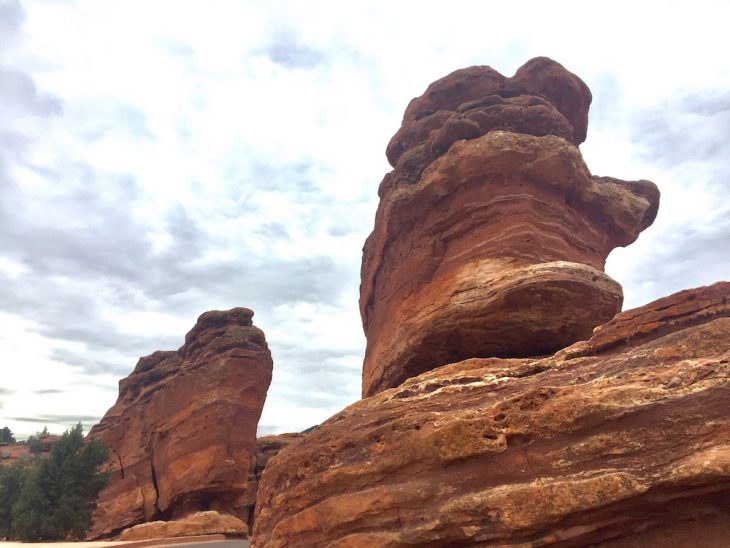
x,y
183,429
625,436
497,250
198,523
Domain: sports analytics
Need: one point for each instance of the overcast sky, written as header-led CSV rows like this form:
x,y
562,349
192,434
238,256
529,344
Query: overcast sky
x,y
163,158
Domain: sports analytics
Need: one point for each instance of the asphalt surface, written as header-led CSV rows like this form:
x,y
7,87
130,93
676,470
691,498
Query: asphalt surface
x,y
213,544
209,544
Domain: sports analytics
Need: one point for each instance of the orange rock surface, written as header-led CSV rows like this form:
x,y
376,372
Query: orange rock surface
x,y
267,447
10,453
198,523
183,430
491,234
624,438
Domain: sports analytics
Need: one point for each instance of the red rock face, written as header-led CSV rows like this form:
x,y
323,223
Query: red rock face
x,y
267,447
623,437
492,234
183,430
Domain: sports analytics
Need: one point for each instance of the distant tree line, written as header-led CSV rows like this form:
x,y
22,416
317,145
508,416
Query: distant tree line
x,y
53,498
6,435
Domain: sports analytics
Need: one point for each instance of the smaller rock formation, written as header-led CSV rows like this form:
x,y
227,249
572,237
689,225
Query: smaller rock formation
x,y
199,523
12,452
267,447
183,430
623,436
491,234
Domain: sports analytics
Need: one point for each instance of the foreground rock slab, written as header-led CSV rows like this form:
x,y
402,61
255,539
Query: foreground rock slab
x,y
198,523
491,234
183,430
623,437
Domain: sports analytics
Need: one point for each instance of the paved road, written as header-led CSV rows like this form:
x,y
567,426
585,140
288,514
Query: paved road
x,y
213,544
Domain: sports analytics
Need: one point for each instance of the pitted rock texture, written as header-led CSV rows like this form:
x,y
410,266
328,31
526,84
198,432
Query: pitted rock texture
x,y
492,242
624,437
267,447
183,430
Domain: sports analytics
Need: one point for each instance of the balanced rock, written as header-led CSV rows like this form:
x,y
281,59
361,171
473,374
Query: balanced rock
x,y
183,430
491,234
625,436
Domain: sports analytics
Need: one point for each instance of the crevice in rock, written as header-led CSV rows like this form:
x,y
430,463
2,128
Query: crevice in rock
x,y
119,460
154,483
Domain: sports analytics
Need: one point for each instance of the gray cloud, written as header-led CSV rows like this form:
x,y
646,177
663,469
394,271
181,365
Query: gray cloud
x,y
20,95
692,128
12,17
87,241
67,421
48,391
697,256
286,50
93,363
4,392
326,372
94,119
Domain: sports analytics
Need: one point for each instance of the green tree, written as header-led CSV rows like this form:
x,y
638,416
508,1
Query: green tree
x,y
59,493
12,479
35,442
6,435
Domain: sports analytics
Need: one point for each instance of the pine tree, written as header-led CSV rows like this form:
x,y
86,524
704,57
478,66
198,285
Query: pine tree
x,y
59,493
6,435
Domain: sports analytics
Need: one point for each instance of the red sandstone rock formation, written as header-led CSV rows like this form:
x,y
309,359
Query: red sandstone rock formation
x,y
10,453
491,234
267,447
625,436
183,430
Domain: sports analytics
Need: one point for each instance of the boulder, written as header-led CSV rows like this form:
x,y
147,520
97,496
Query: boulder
x,y
491,234
183,430
621,438
198,523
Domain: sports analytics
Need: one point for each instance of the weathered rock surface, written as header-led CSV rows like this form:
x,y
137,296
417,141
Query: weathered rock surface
x,y
198,523
491,235
625,436
267,447
183,430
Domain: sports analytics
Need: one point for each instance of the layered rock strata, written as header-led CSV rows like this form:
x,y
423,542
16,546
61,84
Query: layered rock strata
x,y
491,234
624,437
183,430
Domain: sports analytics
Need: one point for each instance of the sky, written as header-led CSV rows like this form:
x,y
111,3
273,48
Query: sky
x,y
160,159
